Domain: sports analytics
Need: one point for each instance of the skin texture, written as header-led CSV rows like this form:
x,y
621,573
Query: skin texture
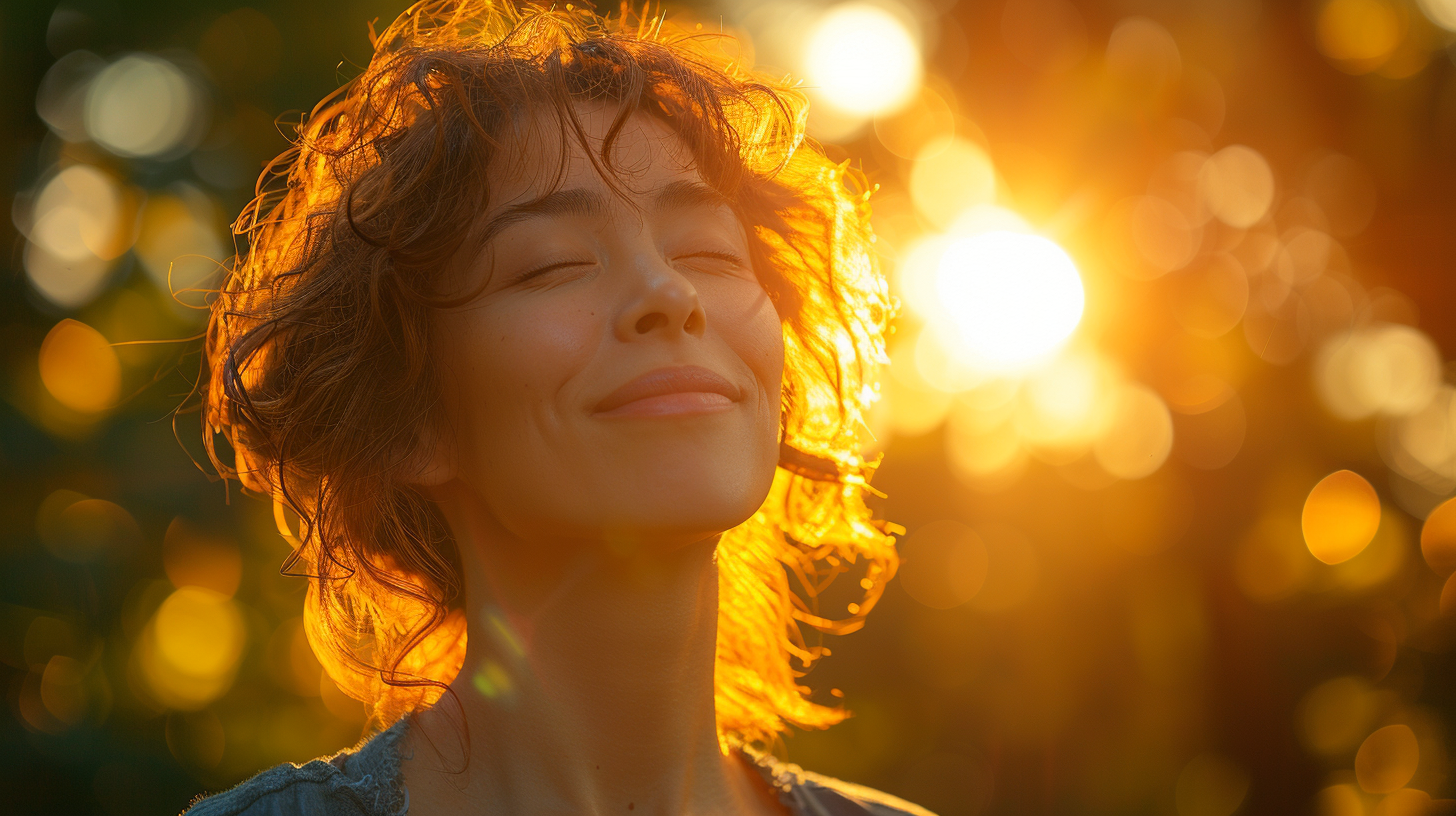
x,y
587,535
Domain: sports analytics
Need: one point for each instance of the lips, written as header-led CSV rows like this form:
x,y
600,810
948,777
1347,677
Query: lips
x,y
671,391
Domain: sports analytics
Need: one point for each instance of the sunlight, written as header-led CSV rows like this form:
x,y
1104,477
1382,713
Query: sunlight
x,y
863,59
1014,297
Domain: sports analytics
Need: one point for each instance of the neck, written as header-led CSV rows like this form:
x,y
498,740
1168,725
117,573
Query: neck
x,y
587,685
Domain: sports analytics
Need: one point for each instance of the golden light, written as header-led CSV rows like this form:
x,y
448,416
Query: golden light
x,y
1062,405
1440,12
1387,759
1162,234
142,105
77,224
983,457
1380,561
1387,369
60,99
1047,34
950,176
1138,434
927,118
1012,569
1341,515
1438,538
915,407
179,244
918,268
339,703
1013,298
940,363
944,564
1358,34
79,368
982,444
1142,55
862,59
193,558
1305,255
1422,446
191,648
1210,422
1237,186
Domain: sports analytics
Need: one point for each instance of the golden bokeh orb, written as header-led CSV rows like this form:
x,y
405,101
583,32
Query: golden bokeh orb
x,y
79,368
1341,515
862,58
1387,759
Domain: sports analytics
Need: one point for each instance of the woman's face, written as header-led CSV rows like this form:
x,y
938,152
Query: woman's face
x,y
618,378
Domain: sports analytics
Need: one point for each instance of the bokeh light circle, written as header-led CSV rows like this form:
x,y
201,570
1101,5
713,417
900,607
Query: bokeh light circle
x,y
1387,759
1341,515
141,106
1014,298
1388,369
862,59
1440,12
192,647
1138,434
1237,186
79,368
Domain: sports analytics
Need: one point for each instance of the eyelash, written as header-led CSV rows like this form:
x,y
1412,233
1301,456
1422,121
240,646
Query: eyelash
x,y
722,256
526,276
729,257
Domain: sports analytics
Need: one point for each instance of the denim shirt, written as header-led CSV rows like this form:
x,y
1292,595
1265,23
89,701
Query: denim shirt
x,y
366,781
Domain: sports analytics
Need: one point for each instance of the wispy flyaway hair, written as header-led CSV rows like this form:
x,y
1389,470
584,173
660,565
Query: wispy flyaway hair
x,y
317,370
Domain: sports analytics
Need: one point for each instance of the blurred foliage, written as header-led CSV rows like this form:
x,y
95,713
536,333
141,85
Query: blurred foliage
x,y
1181,548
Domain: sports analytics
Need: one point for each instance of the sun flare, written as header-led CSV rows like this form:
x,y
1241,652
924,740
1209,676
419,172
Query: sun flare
x,y
862,59
1014,298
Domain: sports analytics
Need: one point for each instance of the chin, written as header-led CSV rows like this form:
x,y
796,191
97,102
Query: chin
x,y
679,502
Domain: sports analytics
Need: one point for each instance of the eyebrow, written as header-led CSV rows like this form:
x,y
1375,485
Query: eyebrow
x,y
586,203
686,194
559,203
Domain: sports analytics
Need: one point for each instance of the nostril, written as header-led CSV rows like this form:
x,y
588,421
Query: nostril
x,y
650,322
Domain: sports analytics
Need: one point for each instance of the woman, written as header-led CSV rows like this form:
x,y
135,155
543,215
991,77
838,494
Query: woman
x,y
550,345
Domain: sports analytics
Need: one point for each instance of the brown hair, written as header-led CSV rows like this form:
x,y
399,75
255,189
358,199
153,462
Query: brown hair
x,y
316,367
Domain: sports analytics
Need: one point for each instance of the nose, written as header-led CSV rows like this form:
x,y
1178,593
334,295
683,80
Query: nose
x,y
663,303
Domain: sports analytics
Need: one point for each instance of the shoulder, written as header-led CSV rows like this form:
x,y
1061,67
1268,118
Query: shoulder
x,y
359,782
810,794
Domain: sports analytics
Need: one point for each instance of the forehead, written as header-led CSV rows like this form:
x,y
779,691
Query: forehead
x,y
548,155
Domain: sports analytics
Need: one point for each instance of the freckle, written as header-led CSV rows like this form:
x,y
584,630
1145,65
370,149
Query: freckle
x,y
631,806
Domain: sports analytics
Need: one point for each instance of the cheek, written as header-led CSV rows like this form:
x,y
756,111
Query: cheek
x,y
504,365
751,326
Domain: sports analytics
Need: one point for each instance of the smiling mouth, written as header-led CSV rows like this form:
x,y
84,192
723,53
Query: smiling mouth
x,y
679,391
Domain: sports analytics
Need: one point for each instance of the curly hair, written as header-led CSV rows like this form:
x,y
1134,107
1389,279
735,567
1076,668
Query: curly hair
x,y
316,369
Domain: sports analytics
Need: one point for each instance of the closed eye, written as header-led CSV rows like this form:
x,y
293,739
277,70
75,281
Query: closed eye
x,y
548,268
735,260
